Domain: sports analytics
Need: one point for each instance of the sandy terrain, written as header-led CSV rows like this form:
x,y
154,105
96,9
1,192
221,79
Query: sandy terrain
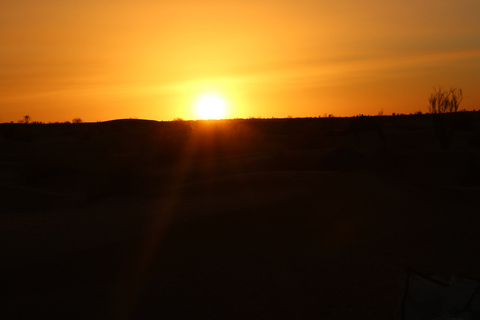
x,y
137,219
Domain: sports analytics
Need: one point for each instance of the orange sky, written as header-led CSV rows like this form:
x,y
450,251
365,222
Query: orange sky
x,y
104,59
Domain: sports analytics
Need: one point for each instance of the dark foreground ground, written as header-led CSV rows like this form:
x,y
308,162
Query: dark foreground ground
x,y
238,219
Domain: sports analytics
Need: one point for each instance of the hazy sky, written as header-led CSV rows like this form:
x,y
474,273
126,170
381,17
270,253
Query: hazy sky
x,y
104,59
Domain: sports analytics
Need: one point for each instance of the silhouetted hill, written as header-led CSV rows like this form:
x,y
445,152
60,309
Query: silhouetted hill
x,y
243,218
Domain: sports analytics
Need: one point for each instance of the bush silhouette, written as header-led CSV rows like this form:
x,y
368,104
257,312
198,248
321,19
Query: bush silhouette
x,y
26,119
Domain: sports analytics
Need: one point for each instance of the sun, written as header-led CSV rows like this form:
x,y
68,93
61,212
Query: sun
x,y
211,106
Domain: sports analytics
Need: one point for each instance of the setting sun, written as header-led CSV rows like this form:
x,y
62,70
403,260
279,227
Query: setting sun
x,y
210,107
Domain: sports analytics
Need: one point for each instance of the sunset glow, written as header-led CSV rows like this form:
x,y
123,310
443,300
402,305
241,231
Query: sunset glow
x,y
102,60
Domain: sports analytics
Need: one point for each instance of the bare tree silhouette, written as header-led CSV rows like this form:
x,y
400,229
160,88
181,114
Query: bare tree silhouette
x,y
442,101
443,105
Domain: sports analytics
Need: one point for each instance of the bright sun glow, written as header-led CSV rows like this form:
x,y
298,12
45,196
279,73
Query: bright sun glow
x,y
211,107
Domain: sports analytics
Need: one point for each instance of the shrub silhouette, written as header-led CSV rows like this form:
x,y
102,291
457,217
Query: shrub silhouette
x,y
26,119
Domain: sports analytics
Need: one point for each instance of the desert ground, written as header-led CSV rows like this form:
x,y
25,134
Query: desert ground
x,y
233,219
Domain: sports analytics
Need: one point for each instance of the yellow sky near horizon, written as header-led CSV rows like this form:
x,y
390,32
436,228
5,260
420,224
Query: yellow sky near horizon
x,y
104,59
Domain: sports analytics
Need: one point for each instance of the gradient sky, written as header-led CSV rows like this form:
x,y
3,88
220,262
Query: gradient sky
x,y
103,59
